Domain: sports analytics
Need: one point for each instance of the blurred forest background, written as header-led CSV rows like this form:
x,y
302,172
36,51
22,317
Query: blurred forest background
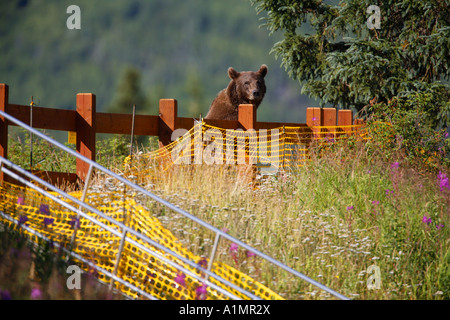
x,y
139,51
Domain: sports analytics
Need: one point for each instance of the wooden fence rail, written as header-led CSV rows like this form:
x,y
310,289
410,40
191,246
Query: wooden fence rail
x,y
86,122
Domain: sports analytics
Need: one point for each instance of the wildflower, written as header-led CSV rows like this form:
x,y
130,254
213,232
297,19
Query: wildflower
x,y
389,191
48,221
439,226
234,247
443,181
44,209
375,202
233,253
36,294
350,208
20,200
202,263
22,220
250,254
225,230
180,279
200,292
395,165
5,295
426,220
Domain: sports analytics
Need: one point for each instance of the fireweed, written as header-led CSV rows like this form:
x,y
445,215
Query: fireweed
x,y
331,220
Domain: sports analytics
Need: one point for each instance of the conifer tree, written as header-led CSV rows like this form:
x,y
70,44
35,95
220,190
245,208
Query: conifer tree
x,y
348,59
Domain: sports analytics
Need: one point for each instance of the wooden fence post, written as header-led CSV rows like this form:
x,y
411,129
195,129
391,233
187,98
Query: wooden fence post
x,y
329,117
345,118
4,92
86,129
168,113
247,116
247,120
314,117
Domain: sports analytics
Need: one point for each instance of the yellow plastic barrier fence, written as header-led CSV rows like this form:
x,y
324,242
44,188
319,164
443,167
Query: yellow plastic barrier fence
x,y
278,148
99,246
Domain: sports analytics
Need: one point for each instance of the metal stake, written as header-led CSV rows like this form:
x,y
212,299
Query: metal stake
x,y
83,197
213,252
132,132
31,134
116,265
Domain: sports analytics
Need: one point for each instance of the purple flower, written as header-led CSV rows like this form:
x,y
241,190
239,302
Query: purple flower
x,y
225,230
250,254
375,202
314,119
439,226
443,181
22,220
203,263
20,200
426,220
234,247
233,253
389,191
200,292
180,279
44,209
74,221
36,294
350,208
394,165
5,295
48,221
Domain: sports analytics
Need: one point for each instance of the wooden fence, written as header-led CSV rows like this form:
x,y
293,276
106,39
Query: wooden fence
x,y
87,122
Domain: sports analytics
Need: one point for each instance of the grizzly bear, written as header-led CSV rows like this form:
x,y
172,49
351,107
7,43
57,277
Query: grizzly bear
x,y
246,87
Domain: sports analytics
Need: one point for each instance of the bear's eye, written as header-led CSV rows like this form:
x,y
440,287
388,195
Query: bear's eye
x,y
247,83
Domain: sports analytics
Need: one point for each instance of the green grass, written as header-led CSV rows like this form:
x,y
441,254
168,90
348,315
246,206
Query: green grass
x,y
331,220
345,211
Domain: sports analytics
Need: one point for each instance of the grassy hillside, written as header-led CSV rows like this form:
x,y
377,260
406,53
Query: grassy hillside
x,y
181,49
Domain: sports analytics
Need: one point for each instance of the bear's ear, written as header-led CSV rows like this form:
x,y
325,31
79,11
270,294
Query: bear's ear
x,y
263,70
233,74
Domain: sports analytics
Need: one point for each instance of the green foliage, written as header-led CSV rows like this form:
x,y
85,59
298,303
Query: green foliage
x,y
344,63
111,152
45,155
128,93
405,128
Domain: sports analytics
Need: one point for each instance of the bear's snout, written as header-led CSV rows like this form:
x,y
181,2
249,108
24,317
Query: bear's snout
x,y
255,95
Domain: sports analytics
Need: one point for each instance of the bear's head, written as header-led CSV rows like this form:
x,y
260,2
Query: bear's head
x,y
247,86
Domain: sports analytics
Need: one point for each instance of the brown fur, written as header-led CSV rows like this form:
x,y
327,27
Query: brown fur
x,y
246,87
